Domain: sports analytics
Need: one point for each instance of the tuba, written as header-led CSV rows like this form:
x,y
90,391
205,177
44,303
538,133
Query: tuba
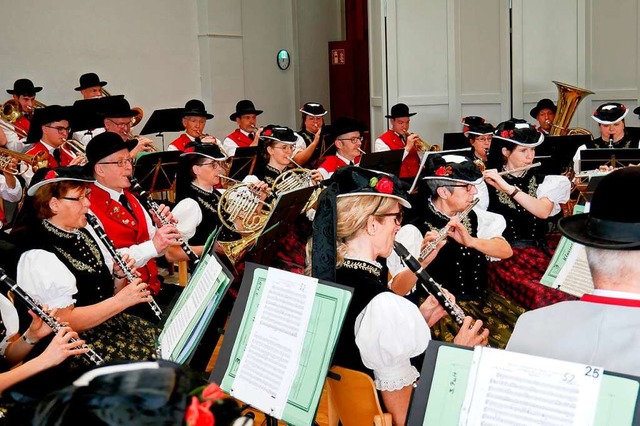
x,y
569,97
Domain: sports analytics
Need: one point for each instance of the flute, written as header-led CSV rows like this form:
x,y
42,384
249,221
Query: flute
x,y
155,208
519,169
51,321
117,257
429,284
442,233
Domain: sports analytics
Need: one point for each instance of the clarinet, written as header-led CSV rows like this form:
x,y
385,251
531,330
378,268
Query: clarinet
x,y
117,257
442,233
429,283
52,322
155,208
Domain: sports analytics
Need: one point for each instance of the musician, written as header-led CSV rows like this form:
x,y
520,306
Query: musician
x,y
50,130
24,95
125,220
601,328
610,118
398,137
66,266
311,133
194,119
90,86
346,134
479,133
118,118
544,112
472,241
247,134
15,348
382,331
526,199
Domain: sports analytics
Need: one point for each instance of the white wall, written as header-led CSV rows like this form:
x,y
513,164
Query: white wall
x,y
145,49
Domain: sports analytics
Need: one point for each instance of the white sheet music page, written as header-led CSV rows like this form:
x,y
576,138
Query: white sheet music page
x,y
507,388
270,362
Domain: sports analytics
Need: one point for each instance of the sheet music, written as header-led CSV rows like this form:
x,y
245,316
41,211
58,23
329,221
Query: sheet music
x,y
506,388
270,362
575,278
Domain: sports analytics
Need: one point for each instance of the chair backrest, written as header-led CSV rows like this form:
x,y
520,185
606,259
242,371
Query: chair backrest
x,y
353,397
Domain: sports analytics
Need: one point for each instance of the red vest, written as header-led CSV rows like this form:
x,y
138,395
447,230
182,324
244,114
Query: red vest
x,y
65,158
23,123
181,142
125,229
610,300
240,138
333,163
411,163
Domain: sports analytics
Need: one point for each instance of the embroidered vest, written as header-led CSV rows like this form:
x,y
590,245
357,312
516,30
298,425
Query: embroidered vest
x,y
208,202
240,138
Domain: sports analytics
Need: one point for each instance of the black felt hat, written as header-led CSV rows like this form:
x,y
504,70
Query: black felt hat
x,y
519,132
24,86
637,110
350,181
474,125
344,125
279,133
454,168
117,107
610,113
46,176
611,223
313,108
195,108
400,110
90,79
106,144
244,107
209,150
46,115
545,103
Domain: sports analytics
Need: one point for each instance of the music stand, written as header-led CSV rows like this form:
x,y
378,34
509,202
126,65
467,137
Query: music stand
x,y
384,161
288,206
633,132
156,171
556,152
243,162
164,120
455,141
89,113
591,159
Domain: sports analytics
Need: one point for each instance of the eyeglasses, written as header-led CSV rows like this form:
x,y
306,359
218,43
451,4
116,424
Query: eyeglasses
x,y
468,186
484,138
80,198
353,140
211,163
121,162
121,125
397,216
60,129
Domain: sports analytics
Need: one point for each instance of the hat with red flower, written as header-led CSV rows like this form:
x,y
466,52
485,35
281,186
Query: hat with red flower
x,y
452,168
610,113
476,126
350,181
46,176
518,131
277,133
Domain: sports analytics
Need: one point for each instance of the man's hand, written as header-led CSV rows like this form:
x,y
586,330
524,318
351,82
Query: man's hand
x,y
166,237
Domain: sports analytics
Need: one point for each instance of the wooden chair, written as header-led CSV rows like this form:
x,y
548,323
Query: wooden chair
x,y
353,399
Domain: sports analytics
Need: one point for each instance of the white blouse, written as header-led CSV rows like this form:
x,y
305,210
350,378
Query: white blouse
x,y
390,331
556,188
10,320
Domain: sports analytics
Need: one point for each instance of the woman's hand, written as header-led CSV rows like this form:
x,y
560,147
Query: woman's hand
x,y
61,347
492,177
471,335
430,237
432,311
38,328
134,293
130,262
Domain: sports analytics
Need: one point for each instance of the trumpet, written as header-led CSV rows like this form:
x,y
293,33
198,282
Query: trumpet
x,y
422,146
74,148
36,161
131,136
9,115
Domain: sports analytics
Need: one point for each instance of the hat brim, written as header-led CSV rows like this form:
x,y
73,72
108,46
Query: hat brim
x,y
36,89
185,154
313,115
470,132
237,114
411,114
469,182
599,121
575,228
532,145
197,114
401,200
279,140
100,83
536,110
32,189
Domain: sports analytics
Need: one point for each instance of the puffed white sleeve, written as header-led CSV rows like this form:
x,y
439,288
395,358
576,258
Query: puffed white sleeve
x,y
46,279
189,216
411,238
9,319
557,189
389,332
482,195
229,146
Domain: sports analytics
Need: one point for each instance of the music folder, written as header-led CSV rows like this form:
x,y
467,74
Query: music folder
x,y
274,357
446,385
243,162
456,140
556,152
383,161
